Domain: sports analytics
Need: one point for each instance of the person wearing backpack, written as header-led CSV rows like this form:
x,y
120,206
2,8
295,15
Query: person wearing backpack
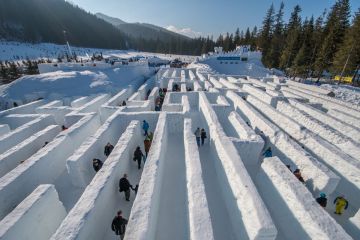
x,y
118,225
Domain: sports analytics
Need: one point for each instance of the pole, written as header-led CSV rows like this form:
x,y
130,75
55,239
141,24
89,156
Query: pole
x,y
68,45
346,62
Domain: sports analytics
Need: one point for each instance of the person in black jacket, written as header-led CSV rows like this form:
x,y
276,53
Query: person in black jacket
x,y
124,186
97,164
322,200
203,136
108,149
138,155
118,225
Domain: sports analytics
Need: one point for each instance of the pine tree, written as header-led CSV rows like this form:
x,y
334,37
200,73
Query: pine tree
x,y
335,28
277,41
302,61
254,36
220,41
14,72
247,37
349,52
237,37
3,71
266,34
292,39
227,43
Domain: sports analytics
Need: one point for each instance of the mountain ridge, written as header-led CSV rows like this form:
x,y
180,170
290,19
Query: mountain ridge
x,y
147,31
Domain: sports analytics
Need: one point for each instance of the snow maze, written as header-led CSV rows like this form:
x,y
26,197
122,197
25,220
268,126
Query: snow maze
x,y
224,189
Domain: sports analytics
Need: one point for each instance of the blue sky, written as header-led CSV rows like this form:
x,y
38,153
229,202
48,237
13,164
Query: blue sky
x,y
206,17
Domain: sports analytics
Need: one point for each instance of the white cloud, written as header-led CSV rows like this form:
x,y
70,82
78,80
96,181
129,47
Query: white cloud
x,y
184,31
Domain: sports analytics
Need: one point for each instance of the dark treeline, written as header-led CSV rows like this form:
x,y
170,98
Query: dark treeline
x,y
10,71
308,47
46,20
305,47
175,45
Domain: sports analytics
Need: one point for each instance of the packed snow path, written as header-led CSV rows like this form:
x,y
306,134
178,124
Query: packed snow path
x,y
224,189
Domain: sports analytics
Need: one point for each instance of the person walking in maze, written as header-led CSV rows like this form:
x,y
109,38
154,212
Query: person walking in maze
x,y
147,145
124,186
118,225
203,136
108,149
135,189
97,164
322,200
151,136
297,174
340,204
268,153
197,135
138,155
145,127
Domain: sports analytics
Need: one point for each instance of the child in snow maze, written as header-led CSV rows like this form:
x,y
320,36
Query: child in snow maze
x,y
145,127
118,224
322,200
97,164
297,174
135,189
340,204
267,153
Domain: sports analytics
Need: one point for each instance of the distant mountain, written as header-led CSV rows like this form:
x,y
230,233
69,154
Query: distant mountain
x,y
111,20
142,30
55,21
46,21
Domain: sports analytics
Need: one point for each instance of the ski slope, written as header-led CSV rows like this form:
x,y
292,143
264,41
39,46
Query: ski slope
x,y
17,51
224,189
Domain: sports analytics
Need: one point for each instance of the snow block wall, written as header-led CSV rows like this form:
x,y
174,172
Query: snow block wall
x,y
294,210
256,224
37,217
102,191
199,215
146,206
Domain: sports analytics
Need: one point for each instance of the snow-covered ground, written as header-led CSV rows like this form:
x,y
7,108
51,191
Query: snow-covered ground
x,y
14,51
72,84
344,92
224,189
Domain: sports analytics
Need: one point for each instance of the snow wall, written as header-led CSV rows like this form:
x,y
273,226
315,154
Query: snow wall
x,y
37,217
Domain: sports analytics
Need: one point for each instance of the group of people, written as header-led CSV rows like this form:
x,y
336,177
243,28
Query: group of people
x,y
97,163
340,202
200,135
160,99
118,224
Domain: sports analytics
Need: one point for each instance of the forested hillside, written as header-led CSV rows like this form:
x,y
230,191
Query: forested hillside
x,y
46,21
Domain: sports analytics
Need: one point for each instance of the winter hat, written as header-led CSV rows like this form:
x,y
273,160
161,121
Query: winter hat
x,y
322,195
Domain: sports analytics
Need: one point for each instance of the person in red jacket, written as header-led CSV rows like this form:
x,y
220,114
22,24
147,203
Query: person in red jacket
x,y
147,145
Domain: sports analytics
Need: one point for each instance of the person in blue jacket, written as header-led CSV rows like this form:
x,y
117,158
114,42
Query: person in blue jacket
x,y
145,127
268,152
